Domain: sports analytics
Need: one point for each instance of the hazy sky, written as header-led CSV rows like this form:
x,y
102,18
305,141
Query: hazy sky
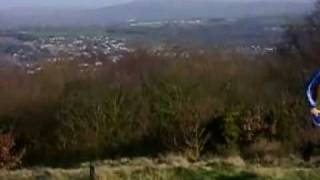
x,y
58,3
5,4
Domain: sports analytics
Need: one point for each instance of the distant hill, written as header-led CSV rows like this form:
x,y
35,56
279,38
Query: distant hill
x,y
169,9
153,10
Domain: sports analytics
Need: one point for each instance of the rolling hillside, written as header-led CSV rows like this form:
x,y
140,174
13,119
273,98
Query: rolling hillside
x,y
150,10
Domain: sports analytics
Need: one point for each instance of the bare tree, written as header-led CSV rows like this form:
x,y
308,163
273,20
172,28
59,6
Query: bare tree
x,y
304,37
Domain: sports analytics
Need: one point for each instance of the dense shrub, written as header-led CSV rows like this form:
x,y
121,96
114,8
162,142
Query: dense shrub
x,y
145,105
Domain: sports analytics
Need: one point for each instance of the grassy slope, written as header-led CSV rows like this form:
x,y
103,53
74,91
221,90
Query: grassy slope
x,y
173,168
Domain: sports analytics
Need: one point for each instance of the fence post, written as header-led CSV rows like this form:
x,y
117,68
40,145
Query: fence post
x,y
92,172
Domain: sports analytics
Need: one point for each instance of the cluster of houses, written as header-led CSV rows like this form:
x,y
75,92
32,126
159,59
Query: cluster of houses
x,y
164,50
256,49
60,48
157,24
77,47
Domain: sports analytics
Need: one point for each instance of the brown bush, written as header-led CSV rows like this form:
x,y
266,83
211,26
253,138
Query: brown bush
x,y
145,105
8,157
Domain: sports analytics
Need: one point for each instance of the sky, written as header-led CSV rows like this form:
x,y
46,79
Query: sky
x,y
7,4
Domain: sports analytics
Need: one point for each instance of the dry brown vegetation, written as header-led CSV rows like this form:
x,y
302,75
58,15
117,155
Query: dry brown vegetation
x,y
212,103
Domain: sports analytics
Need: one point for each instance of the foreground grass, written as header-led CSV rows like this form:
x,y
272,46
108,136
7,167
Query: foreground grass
x,y
188,174
219,174
172,169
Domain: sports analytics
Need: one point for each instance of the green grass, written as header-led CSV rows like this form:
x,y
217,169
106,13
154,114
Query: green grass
x,y
168,173
187,174
217,174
